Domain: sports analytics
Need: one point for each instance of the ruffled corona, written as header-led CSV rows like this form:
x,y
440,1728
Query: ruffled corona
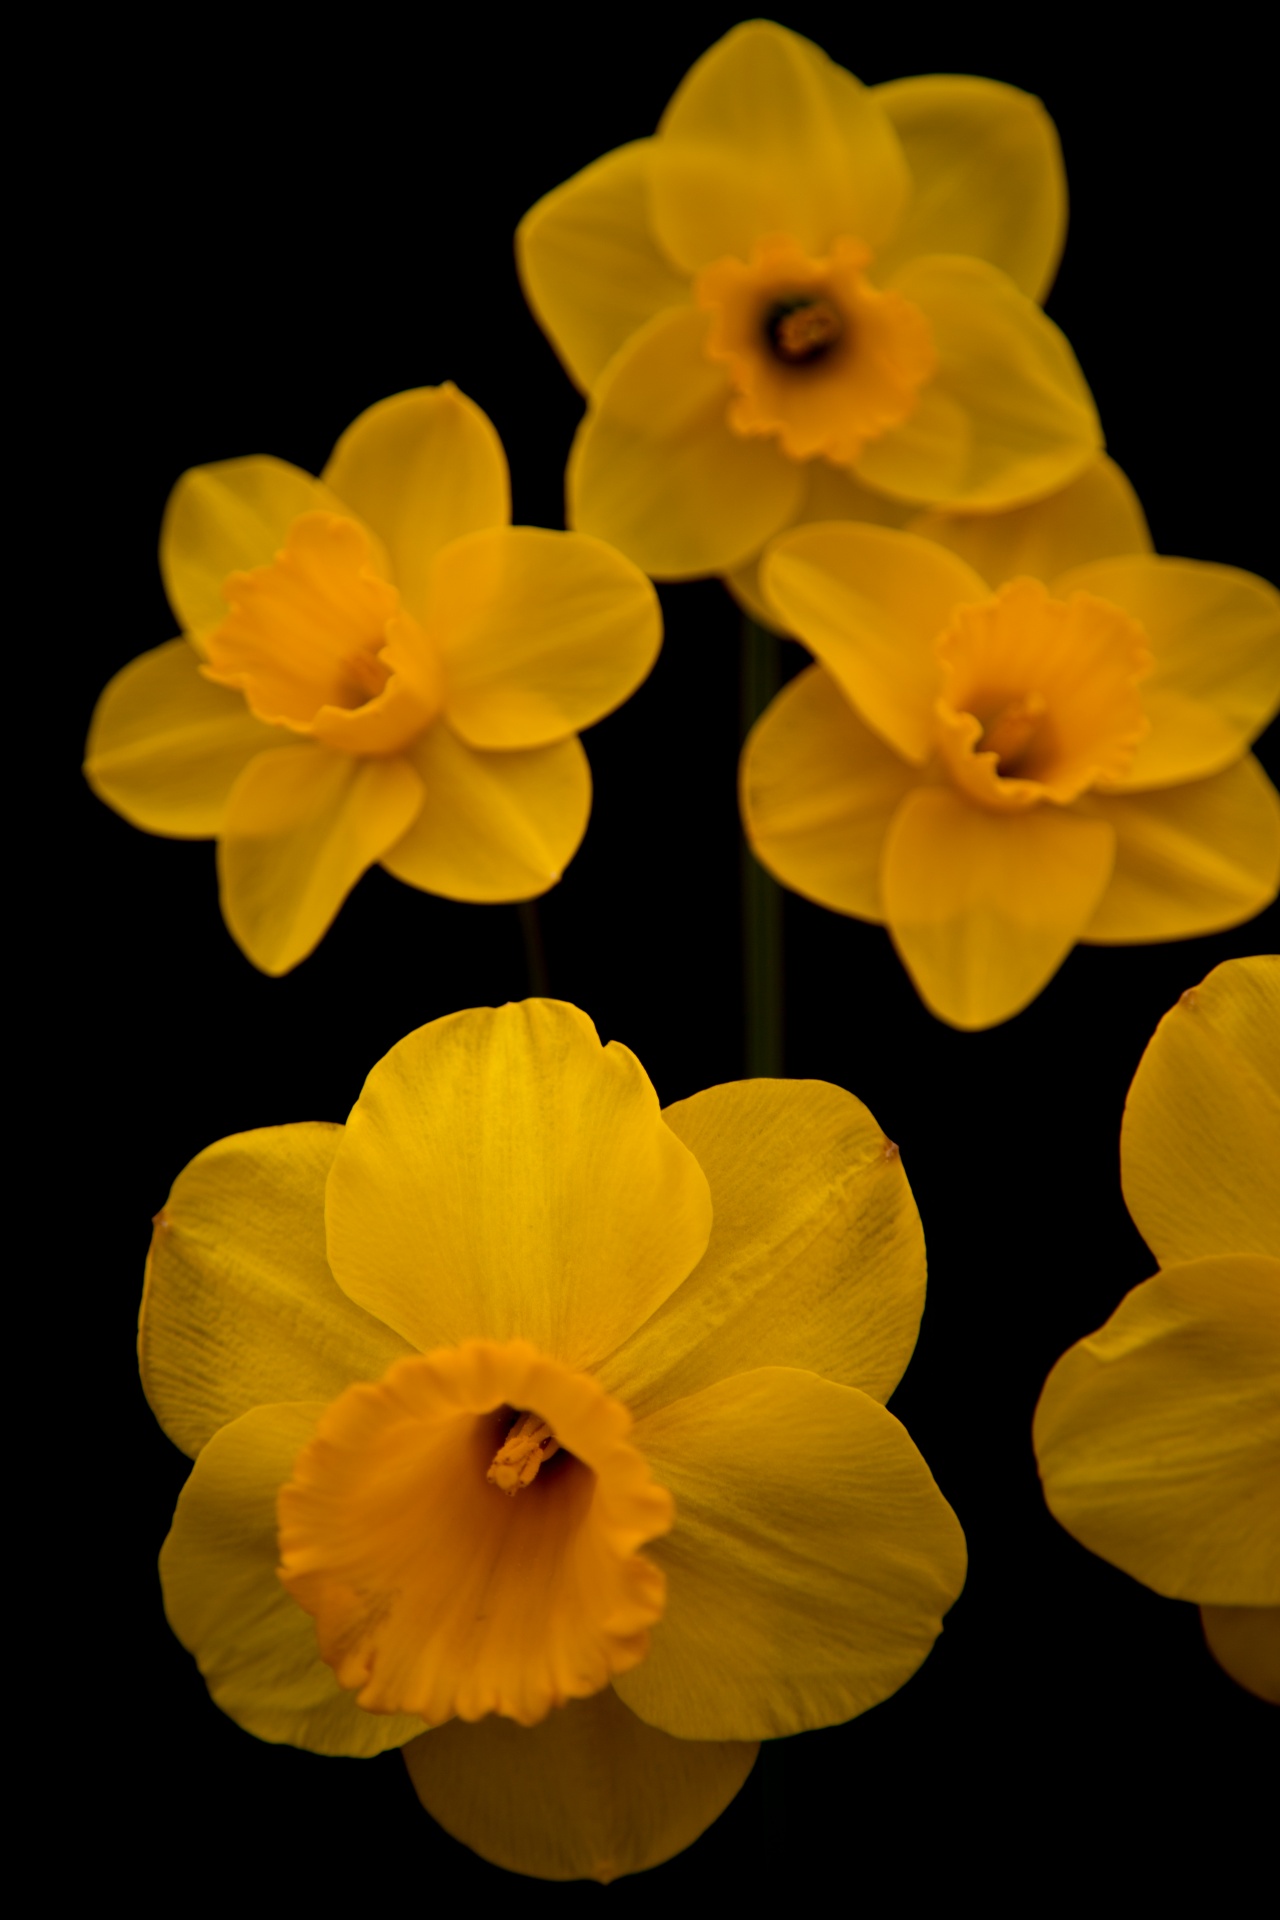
x,y
462,1559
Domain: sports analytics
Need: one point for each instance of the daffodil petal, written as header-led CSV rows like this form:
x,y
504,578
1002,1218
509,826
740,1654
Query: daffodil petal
x,y
493,826
226,518
817,791
1245,1642
987,177
830,494
1215,678
1200,1143
816,1256
1189,860
764,135
1092,517
810,1565
252,1642
590,1793
240,1307
984,907
302,824
541,634
166,746
420,469
1006,418
871,603
589,264
505,1176
1158,1436
655,468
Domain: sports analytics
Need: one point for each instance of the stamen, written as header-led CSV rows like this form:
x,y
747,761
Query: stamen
x,y
802,330
1011,731
515,1464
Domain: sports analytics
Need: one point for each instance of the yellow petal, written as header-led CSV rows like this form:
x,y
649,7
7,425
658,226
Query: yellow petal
x,y
1092,517
227,518
871,604
590,1793
302,825
817,791
656,470
541,634
766,135
1200,1143
240,1307
984,907
166,747
810,1565
1245,1642
589,264
504,1176
493,826
830,494
816,1256
1215,644
420,469
253,1643
1158,1436
1006,418
986,177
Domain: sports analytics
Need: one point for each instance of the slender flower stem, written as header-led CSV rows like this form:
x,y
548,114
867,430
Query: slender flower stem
x,y
535,954
762,989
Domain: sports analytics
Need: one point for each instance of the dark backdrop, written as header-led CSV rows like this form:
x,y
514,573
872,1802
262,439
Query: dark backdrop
x,y
256,234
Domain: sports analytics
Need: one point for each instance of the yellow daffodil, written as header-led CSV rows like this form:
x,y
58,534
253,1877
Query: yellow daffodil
x,y
1158,1436
376,667
804,299
529,1411
1022,732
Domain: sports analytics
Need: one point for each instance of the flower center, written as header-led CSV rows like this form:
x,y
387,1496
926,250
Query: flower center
x,y
305,637
815,354
1039,696
436,1593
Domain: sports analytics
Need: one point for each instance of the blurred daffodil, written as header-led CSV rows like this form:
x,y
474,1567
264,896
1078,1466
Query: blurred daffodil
x,y
1158,1436
376,667
528,1411
1011,743
805,299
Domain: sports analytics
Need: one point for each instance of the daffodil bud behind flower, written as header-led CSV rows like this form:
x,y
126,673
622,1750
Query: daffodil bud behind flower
x,y
376,667
528,1412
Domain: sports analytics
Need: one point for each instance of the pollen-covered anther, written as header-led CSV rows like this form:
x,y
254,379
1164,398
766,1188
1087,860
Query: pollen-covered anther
x,y
517,1460
799,332
1010,732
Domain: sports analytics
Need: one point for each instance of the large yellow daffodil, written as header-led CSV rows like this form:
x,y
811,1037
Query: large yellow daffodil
x,y
1158,1436
805,299
1012,743
524,1409
376,667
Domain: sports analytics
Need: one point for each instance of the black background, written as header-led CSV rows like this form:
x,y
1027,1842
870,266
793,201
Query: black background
x,y
257,233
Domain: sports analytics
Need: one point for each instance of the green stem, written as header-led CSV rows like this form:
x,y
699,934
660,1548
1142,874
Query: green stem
x,y
535,954
761,896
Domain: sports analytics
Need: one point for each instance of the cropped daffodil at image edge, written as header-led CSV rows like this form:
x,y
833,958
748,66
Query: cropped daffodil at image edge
x,y
375,667
531,1413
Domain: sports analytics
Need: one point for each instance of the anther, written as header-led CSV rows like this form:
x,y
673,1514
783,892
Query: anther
x,y
515,1464
1010,732
801,330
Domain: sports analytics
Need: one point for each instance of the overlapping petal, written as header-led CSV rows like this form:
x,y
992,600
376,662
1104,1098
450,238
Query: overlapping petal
x,y
166,747
505,1176
817,791
590,1793
831,493
987,177
239,1306
1245,1642
1190,859
302,824
816,1257
765,134
811,1562
1008,415
984,907
492,826
254,1645
1094,516
656,470
420,469
1158,1436
590,266
1200,1144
